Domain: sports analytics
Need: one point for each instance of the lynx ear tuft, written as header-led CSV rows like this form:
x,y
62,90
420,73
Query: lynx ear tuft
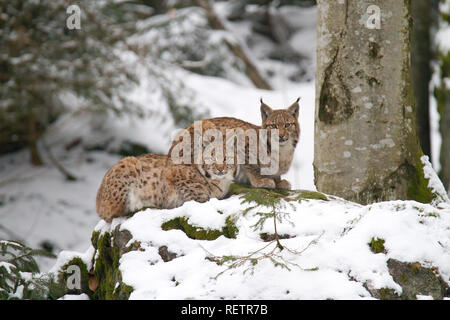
x,y
294,108
265,111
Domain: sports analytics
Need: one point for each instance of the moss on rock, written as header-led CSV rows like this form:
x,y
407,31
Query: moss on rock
x,y
385,294
181,223
417,280
311,195
106,270
418,187
109,247
64,278
414,279
377,245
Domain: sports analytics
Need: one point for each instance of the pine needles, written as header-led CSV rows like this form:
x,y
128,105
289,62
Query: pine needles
x,y
20,277
274,251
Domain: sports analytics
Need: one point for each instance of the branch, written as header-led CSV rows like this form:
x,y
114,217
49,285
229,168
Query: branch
x,y
69,176
250,69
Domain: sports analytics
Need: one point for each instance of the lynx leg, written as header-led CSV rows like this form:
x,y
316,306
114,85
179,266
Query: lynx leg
x,y
185,187
258,181
196,191
282,183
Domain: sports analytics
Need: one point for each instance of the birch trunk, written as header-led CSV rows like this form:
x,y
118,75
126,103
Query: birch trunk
x,y
366,145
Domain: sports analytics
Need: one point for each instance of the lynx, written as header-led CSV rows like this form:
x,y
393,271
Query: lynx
x,y
284,120
155,181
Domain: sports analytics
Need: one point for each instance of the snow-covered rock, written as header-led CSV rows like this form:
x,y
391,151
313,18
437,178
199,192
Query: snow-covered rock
x,y
261,244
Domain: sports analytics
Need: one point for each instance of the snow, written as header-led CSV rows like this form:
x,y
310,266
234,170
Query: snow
x,y
225,98
82,296
422,297
332,259
434,183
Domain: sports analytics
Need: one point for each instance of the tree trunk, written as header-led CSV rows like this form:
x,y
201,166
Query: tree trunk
x,y
366,146
442,95
444,127
421,69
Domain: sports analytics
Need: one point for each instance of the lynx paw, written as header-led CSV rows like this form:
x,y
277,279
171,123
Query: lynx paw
x,y
265,183
284,184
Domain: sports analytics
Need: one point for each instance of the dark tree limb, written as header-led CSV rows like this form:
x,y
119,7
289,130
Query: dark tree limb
x,y
250,69
421,69
69,176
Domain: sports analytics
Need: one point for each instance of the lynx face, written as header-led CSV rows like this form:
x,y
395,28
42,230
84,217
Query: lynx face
x,y
220,171
285,120
219,175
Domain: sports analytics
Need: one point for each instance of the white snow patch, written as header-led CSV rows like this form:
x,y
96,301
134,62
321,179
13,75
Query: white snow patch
x,y
82,296
335,260
434,183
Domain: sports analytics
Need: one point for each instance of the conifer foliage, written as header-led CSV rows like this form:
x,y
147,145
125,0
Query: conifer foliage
x,y
47,66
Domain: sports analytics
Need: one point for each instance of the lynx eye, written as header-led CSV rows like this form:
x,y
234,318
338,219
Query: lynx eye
x,y
287,125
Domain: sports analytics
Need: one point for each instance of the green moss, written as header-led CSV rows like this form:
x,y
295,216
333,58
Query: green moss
x,y
386,294
433,214
107,271
237,188
230,230
181,223
418,188
126,290
311,195
63,277
94,238
377,245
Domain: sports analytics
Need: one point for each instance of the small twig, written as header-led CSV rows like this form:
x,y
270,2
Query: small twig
x,y
69,176
250,68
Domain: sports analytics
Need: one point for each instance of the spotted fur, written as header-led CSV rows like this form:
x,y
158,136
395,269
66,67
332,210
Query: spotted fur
x,y
155,181
285,120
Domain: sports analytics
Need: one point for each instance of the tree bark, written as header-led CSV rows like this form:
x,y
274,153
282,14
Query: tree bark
x,y
421,69
444,127
366,145
442,95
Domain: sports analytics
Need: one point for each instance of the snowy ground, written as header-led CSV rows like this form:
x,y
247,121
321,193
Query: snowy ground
x,y
327,257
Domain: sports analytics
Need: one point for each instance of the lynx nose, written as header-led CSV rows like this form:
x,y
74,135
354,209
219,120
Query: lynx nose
x,y
283,139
